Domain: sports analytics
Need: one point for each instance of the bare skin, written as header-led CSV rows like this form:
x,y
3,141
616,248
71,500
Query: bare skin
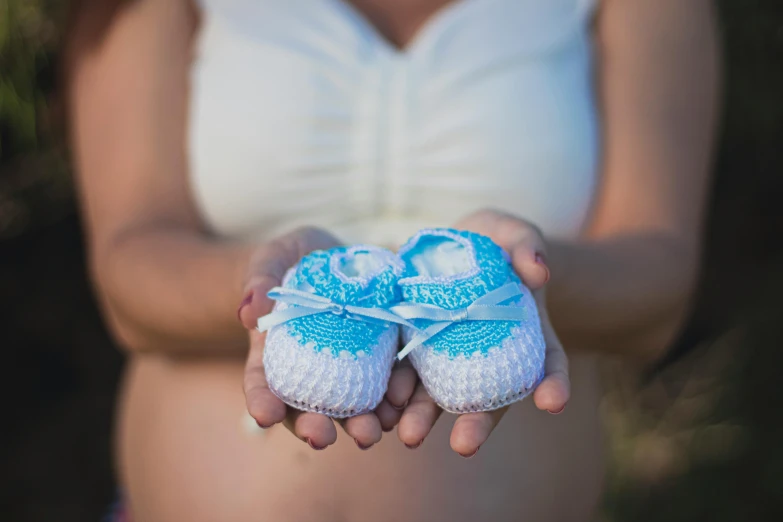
x,y
170,292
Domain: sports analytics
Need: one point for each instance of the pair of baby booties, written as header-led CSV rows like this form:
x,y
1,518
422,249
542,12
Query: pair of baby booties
x,y
470,327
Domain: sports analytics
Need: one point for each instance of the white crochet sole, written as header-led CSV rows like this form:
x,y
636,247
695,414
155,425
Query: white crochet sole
x,y
316,381
485,382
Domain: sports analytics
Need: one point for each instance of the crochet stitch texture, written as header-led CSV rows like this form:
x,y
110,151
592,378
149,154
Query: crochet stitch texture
x,y
471,365
330,363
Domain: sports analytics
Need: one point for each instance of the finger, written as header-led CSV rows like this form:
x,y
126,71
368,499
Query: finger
x,y
315,429
277,256
387,415
418,418
401,385
483,221
256,303
304,240
285,251
471,430
523,241
267,409
262,404
365,429
528,257
555,390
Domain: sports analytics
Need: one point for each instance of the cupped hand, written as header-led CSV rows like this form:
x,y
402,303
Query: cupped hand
x,y
525,244
267,267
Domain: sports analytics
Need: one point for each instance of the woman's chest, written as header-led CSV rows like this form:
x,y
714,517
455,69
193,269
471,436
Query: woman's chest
x,y
319,120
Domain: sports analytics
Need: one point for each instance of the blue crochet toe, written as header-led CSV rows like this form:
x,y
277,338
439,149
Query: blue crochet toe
x,y
478,344
331,339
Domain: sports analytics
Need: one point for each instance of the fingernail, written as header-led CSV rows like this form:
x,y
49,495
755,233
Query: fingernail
x,y
264,427
412,446
541,260
246,301
387,430
362,446
471,455
558,411
316,448
399,408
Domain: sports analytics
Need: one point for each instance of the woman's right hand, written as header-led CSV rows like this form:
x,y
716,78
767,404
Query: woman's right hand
x,y
268,265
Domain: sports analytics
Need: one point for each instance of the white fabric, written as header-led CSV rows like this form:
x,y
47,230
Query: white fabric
x,y
302,114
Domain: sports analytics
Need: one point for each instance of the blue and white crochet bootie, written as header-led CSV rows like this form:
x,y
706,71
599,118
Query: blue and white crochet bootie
x,y
478,345
331,341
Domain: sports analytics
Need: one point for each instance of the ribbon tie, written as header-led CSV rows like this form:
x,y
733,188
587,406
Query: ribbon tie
x,y
307,303
486,308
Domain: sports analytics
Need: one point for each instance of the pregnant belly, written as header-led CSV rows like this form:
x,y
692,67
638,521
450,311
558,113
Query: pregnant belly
x,y
187,453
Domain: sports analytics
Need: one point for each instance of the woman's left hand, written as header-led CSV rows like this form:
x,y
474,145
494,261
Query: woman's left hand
x,y
525,244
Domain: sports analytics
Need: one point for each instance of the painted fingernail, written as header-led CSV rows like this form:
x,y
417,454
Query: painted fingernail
x,y
246,301
558,411
264,426
471,455
387,430
399,408
541,260
362,446
316,448
414,446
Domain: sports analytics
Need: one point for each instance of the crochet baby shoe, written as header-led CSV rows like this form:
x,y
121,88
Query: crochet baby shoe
x,y
478,345
331,341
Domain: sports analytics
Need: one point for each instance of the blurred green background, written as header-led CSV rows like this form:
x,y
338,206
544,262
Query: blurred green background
x,y
698,438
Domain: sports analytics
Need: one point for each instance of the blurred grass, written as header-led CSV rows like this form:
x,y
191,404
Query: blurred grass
x,y
34,186
697,439
28,37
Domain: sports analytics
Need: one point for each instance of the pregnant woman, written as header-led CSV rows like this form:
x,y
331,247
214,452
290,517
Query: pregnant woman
x,y
218,142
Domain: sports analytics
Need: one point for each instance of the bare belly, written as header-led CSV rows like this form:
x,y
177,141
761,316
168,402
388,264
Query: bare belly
x,y
186,454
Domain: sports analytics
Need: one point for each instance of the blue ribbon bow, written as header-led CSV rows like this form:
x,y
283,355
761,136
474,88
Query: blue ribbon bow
x,y
486,308
307,303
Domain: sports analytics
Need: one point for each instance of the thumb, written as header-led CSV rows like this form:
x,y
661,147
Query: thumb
x,y
296,244
269,264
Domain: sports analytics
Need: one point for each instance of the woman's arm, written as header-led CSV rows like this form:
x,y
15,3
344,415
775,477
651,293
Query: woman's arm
x,y
165,285
625,286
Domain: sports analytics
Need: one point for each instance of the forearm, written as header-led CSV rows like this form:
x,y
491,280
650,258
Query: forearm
x,y
173,290
623,295
626,287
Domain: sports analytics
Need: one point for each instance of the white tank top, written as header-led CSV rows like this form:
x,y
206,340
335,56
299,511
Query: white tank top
x,y
303,114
